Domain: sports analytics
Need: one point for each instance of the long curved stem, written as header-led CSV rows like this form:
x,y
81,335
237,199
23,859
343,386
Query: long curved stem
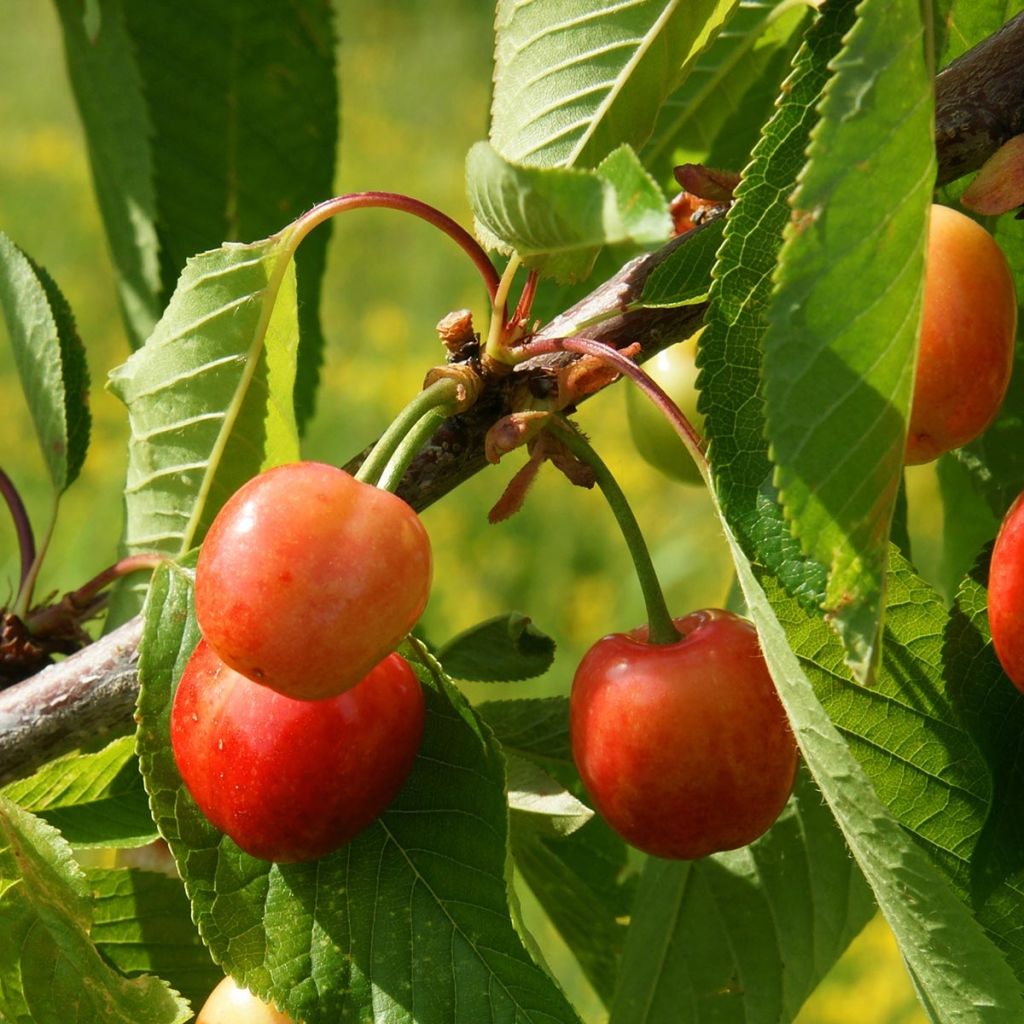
x,y
22,526
661,629
404,204
409,448
81,598
613,357
442,394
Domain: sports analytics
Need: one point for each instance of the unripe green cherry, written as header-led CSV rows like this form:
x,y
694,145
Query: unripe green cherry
x,y
675,369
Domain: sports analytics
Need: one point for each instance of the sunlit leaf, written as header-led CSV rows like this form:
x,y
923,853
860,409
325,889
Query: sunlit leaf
x,y
142,924
959,968
50,359
685,277
209,395
575,80
842,327
716,115
540,802
93,799
50,971
557,219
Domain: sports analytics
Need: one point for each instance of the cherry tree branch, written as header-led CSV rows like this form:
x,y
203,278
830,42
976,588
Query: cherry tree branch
x,y
979,105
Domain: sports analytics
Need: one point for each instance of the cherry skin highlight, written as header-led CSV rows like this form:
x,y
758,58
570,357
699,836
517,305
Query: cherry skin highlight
x,y
293,780
307,578
967,337
1006,594
229,1003
684,748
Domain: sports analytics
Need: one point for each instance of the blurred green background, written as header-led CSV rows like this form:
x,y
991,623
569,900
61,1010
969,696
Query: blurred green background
x,y
415,81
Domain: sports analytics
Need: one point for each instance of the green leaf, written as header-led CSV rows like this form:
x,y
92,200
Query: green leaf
x,y
582,880
730,351
584,885
51,362
93,799
536,727
685,277
142,924
50,971
209,395
504,649
556,219
996,459
772,919
261,145
246,148
574,80
108,89
961,24
538,801
959,969
843,324
992,711
716,115
411,921
967,521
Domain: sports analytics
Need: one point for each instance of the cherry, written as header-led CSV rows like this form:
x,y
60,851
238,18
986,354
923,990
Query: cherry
x,y
292,780
683,747
229,1003
675,369
967,337
307,578
1006,594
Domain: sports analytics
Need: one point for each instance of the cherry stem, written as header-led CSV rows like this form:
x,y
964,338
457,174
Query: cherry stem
x,y
440,396
661,629
404,204
22,526
695,444
80,599
421,432
526,298
496,346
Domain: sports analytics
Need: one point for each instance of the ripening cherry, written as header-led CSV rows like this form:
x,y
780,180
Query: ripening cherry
x,y
1006,594
229,1003
293,780
684,748
308,577
967,337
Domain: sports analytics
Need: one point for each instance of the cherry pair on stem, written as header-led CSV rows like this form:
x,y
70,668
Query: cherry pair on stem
x,y
295,724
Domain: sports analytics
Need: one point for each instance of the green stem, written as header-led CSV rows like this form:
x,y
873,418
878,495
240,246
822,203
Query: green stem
x,y
495,346
661,629
442,394
409,448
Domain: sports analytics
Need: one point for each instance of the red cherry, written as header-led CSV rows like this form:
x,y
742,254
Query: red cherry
x,y
967,337
307,578
1006,594
684,748
292,780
